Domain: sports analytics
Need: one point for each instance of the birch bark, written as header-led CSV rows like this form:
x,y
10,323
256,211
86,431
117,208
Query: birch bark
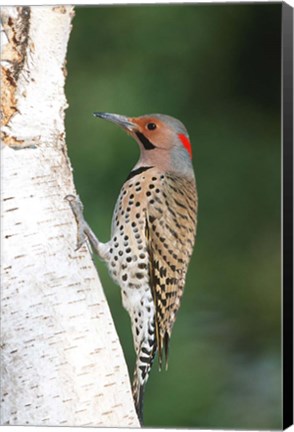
x,y
61,363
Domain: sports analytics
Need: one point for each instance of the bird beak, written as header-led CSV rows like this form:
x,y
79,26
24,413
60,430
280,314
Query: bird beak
x,y
120,120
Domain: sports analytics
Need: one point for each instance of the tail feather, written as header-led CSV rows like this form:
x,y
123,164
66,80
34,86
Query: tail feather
x,y
163,345
138,395
141,374
166,345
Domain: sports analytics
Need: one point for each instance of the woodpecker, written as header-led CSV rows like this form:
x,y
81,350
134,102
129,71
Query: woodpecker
x,y
152,237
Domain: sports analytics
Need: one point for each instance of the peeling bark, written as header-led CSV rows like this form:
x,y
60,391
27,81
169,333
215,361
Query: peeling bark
x,y
61,363
15,27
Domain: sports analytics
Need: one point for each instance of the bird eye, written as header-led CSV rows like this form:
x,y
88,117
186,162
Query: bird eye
x,y
151,126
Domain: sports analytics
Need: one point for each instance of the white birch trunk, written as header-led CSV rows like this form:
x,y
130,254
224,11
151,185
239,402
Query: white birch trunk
x,y
62,363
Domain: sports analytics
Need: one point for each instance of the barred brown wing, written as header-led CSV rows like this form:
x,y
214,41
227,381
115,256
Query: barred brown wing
x,y
170,234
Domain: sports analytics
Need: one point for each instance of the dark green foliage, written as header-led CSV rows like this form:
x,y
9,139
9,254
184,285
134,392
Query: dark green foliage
x,y
217,69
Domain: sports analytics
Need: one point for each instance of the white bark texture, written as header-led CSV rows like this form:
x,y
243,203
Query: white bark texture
x,y
62,363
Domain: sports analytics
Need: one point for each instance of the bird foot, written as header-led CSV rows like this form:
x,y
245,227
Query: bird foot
x,y
77,209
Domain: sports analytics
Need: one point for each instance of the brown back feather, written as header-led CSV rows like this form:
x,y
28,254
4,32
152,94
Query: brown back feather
x,y
170,233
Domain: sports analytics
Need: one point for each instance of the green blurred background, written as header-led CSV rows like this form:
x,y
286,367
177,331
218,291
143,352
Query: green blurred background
x,y
216,68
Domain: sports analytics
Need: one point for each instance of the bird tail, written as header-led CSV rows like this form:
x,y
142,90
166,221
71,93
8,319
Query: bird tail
x,y
141,374
138,395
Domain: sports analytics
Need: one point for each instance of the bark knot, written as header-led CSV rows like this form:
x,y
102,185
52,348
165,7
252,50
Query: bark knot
x,y
13,55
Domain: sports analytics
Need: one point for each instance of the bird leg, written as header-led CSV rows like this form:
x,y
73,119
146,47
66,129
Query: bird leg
x,y
84,230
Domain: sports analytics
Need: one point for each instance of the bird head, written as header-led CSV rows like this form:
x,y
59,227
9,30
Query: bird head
x,y
163,140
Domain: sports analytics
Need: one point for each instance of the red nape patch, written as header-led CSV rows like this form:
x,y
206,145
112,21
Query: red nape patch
x,y
186,143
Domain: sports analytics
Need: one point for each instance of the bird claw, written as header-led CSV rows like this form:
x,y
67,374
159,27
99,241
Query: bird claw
x,y
76,205
77,209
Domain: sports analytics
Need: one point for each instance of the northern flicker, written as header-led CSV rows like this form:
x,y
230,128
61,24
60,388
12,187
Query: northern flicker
x,y
153,234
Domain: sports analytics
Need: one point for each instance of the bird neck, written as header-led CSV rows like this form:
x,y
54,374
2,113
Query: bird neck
x,y
181,162
177,161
